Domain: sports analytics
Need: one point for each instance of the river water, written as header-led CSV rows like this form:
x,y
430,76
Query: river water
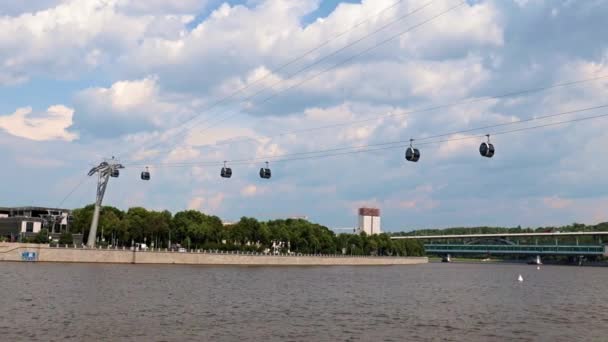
x,y
434,302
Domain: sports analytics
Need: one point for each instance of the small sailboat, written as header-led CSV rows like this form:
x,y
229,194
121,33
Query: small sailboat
x,y
520,278
535,261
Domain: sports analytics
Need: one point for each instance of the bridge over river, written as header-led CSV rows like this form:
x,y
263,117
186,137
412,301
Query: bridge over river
x,y
535,244
517,249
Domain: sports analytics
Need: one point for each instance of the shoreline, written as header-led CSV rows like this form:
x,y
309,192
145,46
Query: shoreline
x,y
16,252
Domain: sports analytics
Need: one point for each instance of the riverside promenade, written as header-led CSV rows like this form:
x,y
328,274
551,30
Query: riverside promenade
x,y
18,252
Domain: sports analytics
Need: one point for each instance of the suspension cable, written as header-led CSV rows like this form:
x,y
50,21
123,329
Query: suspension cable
x,y
332,67
396,144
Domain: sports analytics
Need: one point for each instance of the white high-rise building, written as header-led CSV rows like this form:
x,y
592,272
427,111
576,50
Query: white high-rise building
x,y
369,221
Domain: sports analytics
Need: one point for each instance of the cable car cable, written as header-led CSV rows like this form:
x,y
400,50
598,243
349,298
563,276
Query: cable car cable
x,y
427,109
405,145
449,140
273,71
271,87
116,173
536,118
409,29
76,187
250,162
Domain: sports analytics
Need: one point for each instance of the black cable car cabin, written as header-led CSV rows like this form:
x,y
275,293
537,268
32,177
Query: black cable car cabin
x,y
412,154
145,175
486,149
226,172
115,173
265,172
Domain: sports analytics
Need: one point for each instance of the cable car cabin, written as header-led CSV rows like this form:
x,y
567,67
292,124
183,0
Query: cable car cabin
x,y
486,150
145,175
265,173
115,173
226,172
412,154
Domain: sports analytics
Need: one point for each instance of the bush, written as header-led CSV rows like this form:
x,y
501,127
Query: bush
x,y
42,236
66,238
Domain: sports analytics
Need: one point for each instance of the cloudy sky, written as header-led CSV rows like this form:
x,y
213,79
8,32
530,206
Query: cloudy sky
x,y
181,86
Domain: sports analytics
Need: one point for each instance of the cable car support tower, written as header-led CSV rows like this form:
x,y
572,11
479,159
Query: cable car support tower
x,y
105,170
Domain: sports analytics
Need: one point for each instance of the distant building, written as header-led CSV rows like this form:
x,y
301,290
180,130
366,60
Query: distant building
x,y
19,222
369,221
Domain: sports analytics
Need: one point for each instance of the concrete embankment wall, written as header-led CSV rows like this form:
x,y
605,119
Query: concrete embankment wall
x,y
14,252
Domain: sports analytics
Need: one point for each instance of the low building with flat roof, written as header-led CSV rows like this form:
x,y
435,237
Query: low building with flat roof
x,y
19,222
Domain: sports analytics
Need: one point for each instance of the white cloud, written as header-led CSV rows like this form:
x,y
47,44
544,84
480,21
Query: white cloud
x,y
182,154
127,106
209,204
162,7
50,125
458,147
249,191
75,36
279,37
126,95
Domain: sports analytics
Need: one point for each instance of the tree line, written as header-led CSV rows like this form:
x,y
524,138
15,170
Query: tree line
x,y
195,230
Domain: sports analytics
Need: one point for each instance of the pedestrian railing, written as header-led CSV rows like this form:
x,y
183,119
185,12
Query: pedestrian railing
x,y
217,251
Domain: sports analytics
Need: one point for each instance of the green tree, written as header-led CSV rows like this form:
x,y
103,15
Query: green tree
x,y
187,242
215,230
246,230
202,230
264,235
42,236
158,225
109,223
81,220
136,223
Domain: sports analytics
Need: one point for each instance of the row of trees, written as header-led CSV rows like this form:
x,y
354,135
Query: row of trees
x,y
193,229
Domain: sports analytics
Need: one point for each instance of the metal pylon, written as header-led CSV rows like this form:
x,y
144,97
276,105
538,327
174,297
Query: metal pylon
x,y
104,171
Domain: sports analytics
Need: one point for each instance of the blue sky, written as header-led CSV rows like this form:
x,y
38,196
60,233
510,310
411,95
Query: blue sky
x,y
81,80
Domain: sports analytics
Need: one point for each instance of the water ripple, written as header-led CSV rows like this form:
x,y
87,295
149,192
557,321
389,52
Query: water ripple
x,y
435,302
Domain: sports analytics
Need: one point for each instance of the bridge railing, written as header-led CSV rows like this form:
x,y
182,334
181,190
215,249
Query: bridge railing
x,y
519,249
